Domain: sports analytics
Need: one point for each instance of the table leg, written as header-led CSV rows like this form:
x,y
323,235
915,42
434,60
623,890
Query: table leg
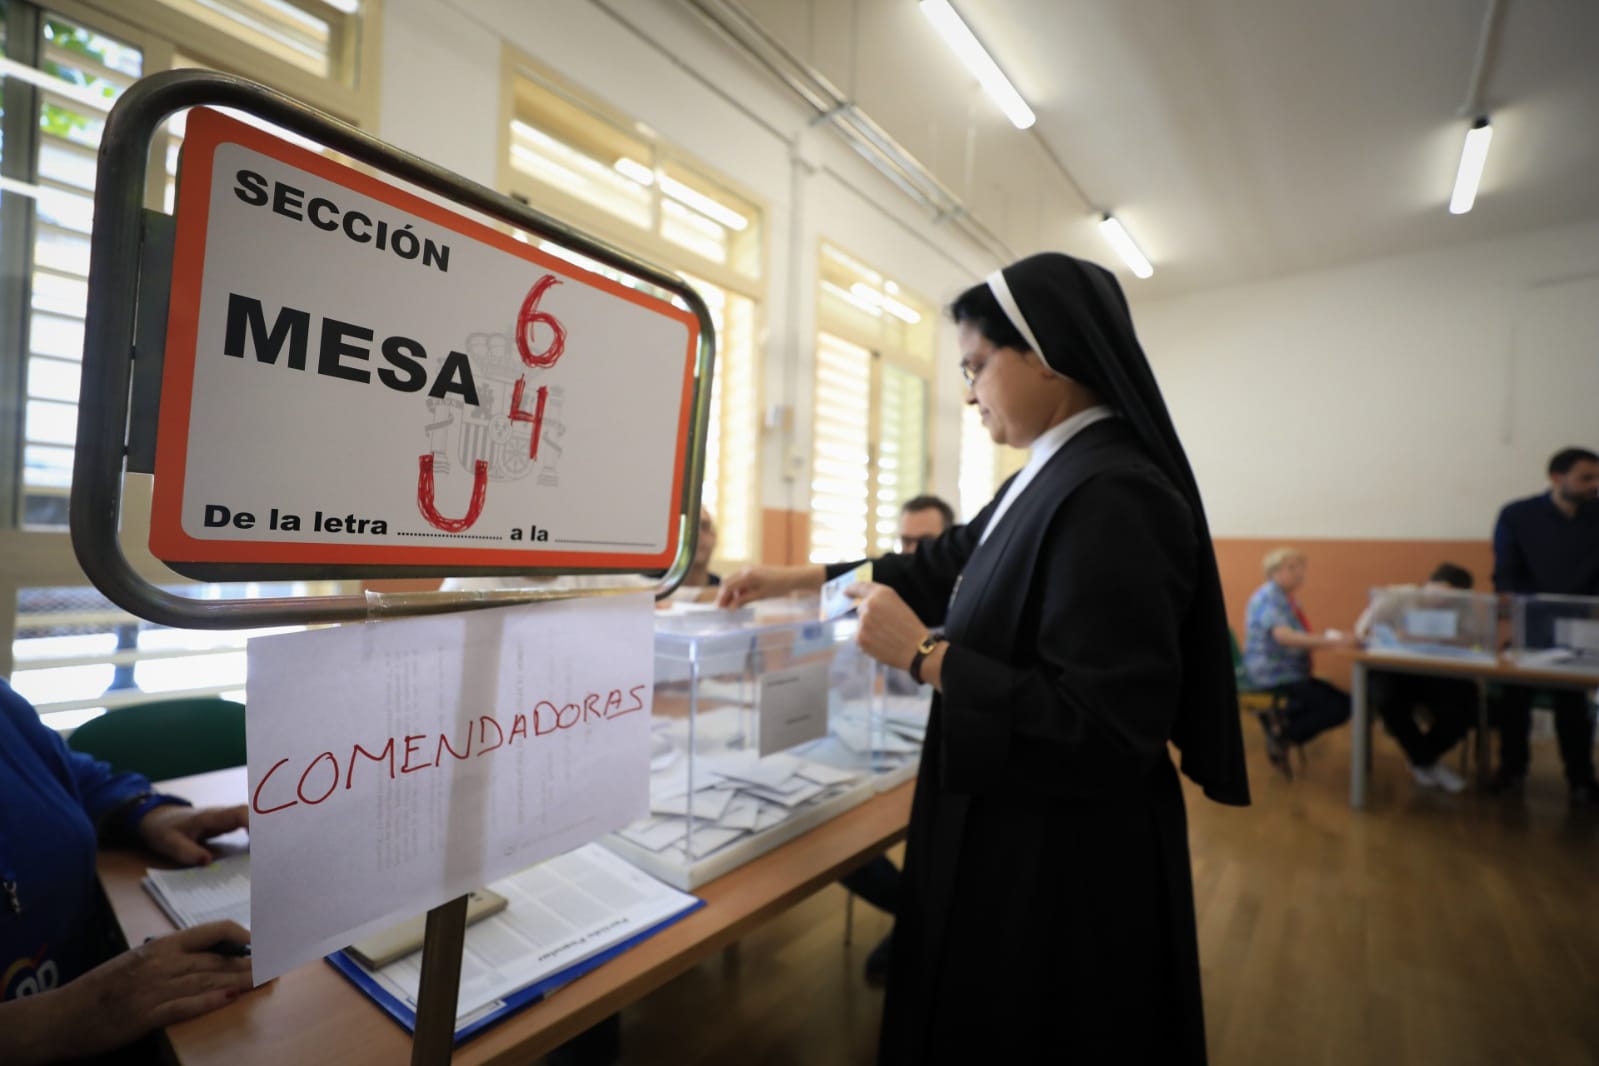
x,y
1359,739
1484,771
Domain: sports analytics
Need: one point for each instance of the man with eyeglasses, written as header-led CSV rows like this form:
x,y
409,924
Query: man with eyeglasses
x,y
922,518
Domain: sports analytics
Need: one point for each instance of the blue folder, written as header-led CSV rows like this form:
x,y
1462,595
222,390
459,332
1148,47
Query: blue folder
x,y
397,1009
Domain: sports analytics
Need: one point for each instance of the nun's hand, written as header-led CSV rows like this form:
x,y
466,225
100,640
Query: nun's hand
x,y
889,631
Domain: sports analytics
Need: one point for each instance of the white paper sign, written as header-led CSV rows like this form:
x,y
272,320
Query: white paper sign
x,y
396,765
792,706
357,376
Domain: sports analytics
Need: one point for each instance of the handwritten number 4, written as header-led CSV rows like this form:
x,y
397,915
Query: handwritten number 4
x,y
528,317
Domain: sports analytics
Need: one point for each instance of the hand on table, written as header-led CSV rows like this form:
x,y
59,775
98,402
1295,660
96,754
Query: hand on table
x,y
159,983
175,832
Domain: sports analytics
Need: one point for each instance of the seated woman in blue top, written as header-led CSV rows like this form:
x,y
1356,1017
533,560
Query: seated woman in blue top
x,y
1277,647
66,991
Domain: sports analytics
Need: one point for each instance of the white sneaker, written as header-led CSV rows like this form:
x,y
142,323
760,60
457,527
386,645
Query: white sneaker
x,y
1438,776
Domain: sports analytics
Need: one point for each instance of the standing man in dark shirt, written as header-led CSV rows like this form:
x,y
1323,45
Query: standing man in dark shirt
x,y
1549,543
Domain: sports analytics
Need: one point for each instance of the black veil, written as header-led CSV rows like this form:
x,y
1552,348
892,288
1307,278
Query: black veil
x,y
1074,315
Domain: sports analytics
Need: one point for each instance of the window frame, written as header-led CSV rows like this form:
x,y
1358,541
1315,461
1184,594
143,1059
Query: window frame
x,y
651,246
883,353
44,557
356,101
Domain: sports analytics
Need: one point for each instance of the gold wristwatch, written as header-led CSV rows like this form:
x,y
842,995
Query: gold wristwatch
x,y
923,650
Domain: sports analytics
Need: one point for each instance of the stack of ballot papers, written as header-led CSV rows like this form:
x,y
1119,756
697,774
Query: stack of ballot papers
x,y
735,794
564,917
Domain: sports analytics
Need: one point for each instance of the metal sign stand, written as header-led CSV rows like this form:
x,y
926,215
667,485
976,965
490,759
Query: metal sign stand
x,y
124,337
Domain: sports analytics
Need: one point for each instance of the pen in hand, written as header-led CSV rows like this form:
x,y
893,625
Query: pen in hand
x,y
231,949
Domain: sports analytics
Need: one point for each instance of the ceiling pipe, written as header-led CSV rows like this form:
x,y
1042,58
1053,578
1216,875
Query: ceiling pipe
x,y
1487,42
834,109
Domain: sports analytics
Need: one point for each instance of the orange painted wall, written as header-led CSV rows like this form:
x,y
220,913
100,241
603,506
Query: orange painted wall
x,y
1340,576
785,536
1337,587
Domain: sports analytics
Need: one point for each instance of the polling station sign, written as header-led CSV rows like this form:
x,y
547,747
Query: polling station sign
x,y
357,376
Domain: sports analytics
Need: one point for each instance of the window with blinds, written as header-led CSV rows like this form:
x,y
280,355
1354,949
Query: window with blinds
x,y
74,654
317,36
77,655
984,464
841,466
49,187
871,432
569,157
74,74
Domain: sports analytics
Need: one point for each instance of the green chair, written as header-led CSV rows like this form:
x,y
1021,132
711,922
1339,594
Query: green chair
x,y
164,739
1268,706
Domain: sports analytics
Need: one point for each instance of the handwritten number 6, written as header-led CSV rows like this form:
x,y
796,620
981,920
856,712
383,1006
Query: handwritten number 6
x,y
529,316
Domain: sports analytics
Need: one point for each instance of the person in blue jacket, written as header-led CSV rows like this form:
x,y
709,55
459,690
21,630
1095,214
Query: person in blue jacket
x,y
66,991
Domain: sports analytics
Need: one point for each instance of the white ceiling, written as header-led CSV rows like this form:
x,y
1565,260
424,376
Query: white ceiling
x,y
1237,139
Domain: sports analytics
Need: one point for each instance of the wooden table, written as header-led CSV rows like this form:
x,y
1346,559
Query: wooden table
x,y
1501,671
313,1014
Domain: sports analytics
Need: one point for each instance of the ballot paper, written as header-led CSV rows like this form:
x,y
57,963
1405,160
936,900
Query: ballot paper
x,y
835,601
855,734
791,798
396,765
708,803
747,767
742,813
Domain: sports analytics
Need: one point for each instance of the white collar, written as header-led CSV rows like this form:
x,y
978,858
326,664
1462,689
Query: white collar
x,y
1055,437
1048,443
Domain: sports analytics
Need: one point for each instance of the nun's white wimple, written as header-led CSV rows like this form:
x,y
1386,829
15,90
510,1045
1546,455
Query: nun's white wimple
x,y
1001,290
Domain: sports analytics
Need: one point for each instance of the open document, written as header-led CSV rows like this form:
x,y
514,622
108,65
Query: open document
x,y
565,916
199,894
562,918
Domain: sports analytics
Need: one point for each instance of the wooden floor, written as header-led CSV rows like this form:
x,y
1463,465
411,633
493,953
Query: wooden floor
x,y
1430,930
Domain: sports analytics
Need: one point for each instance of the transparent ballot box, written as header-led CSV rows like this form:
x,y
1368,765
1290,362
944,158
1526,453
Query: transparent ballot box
x,y
1556,631
876,728
1433,622
762,728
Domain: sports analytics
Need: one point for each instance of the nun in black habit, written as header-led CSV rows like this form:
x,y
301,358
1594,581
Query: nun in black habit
x,y
1047,910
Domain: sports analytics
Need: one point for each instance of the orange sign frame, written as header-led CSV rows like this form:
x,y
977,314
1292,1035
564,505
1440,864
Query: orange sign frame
x,y
206,131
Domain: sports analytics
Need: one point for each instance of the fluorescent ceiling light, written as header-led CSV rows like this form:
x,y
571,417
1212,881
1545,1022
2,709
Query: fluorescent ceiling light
x,y
1117,237
1472,156
978,61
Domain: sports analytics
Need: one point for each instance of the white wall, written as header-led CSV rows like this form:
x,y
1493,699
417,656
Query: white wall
x,y
1398,398
654,61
